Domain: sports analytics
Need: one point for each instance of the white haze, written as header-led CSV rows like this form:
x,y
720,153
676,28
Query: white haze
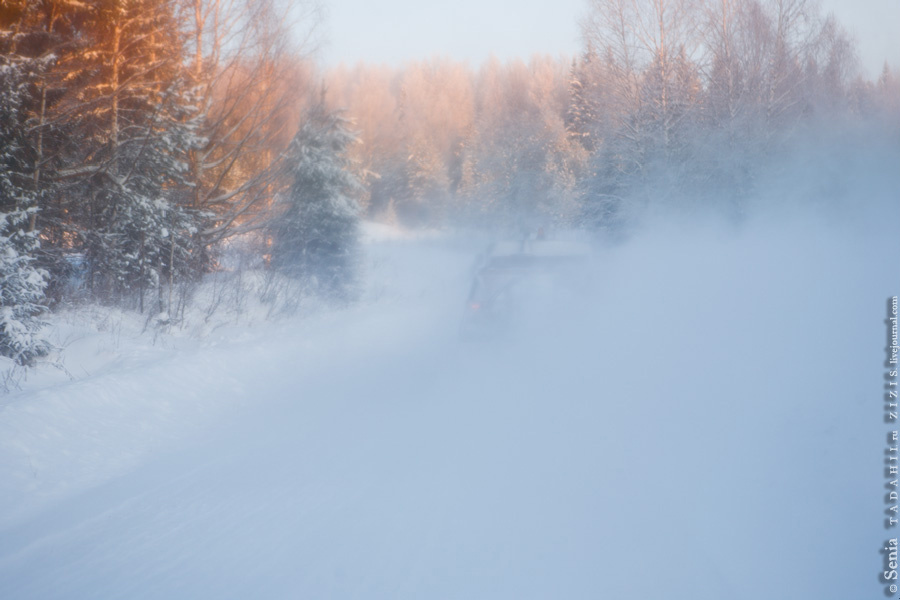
x,y
705,423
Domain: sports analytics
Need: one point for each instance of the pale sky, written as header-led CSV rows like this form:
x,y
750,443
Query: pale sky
x,y
392,31
876,26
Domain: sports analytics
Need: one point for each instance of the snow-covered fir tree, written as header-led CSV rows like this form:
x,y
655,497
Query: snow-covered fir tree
x,y
314,236
21,282
146,239
21,290
583,111
133,163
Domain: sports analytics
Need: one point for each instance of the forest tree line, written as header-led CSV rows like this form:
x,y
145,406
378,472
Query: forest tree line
x,y
669,101
138,136
135,137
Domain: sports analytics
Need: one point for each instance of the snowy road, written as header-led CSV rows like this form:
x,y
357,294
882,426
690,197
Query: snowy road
x,y
706,426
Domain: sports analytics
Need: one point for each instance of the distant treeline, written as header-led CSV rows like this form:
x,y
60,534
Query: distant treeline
x,y
668,102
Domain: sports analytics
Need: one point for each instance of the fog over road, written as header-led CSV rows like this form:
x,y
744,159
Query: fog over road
x,y
704,422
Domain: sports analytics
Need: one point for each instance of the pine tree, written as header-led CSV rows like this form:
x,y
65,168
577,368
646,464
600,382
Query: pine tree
x,y
42,38
582,115
314,237
136,118
21,291
21,282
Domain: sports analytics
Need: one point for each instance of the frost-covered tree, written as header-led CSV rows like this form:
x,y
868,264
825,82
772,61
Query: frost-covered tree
x,y
21,290
584,109
314,235
21,282
144,234
136,120
37,39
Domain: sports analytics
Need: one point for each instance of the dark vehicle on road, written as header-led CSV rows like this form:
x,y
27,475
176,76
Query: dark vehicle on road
x,y
516,282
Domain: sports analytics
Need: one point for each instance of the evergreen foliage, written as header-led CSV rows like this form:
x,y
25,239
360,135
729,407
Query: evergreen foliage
x,y
314,237
22,283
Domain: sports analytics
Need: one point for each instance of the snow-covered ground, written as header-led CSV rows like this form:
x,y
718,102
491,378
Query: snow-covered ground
x,y
706,423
